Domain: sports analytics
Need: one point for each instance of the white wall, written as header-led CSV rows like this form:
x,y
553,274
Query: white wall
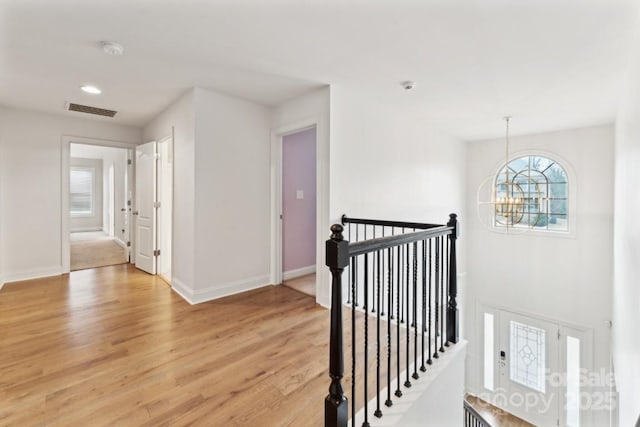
x,y
92,222
31,156
392,162
180,115
626,292
313,107
558,277
231,195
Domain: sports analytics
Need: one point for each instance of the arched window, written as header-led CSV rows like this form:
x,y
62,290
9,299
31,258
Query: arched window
x,y
532,192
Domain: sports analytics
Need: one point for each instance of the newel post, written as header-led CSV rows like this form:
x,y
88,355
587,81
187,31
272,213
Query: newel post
x,y
337,258
452,305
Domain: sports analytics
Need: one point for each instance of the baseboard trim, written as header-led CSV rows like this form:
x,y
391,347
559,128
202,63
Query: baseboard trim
x,y
85,229
33,274
183,290
120,242
299,272
197,296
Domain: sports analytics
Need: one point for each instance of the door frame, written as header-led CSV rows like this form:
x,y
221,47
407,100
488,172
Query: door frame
x,y
277,134
170,139
64,179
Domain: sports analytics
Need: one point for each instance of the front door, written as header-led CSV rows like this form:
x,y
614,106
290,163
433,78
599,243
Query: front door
x,y
528,352
145,209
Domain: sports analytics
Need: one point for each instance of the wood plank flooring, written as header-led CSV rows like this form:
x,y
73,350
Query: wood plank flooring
x,y
305,284
116,347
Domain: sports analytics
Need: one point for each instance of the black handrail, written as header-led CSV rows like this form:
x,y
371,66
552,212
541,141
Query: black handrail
x,y
472,417
386,223
433,279
373,245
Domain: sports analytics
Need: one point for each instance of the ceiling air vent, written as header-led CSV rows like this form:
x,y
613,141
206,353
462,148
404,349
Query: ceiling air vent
x,y
91,110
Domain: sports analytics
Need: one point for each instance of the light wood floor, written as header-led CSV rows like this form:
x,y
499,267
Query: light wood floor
x,y
305,284
496,416
116,347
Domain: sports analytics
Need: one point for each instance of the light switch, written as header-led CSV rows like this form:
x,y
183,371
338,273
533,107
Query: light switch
x,y
299,194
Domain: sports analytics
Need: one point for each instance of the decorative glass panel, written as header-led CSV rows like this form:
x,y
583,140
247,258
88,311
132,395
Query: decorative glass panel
x,y
527,356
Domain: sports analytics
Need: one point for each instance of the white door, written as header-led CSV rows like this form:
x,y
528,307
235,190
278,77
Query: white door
x,y
145,208
528,353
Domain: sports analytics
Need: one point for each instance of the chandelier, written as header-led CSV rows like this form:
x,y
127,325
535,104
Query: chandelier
x,y
509,201
508,196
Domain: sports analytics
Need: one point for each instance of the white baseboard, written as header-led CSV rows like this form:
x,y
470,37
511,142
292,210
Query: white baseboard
x,y
298,272
120,242
33,274
84,229
196,296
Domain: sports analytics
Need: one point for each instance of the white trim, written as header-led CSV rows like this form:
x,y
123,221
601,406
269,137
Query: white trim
x,y
120,242
299,272
196,296
85,229
64,190
33,274
276,273
183,290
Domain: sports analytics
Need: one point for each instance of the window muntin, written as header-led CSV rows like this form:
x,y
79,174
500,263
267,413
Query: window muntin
x,y
81,191
542,186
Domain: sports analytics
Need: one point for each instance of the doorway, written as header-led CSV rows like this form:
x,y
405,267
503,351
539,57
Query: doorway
x,y
531,367
98,200
299,207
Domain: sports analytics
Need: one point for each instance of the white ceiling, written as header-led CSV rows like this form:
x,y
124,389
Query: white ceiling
x,y
551,64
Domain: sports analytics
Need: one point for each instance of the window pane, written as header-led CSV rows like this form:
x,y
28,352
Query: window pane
x,y
556,174
527,355
573,382
489,351
81,191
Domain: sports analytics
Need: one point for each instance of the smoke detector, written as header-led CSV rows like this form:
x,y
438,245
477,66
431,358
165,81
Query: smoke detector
x,y
112,48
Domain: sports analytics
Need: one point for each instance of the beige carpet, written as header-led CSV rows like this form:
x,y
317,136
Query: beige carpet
x,y
95,249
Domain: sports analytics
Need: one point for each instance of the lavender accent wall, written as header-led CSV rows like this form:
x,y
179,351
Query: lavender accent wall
x,y
299,215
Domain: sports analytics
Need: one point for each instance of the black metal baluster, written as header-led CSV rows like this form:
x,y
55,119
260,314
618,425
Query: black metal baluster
x,y
423,329
356,268
378,412
446,292
429,299
437,297
354,304
391,283
415,311
373,305
407,382
442,294
388,402
349,291
366,341
401,302
383,294
398,288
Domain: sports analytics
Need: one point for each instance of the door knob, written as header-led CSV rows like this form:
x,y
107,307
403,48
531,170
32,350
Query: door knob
x,y
123,209
134,212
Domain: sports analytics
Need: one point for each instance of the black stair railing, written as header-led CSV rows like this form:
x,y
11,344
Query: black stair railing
x,y
402,285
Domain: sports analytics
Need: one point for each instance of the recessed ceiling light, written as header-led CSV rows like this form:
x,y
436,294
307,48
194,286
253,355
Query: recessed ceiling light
x,y
91,89
112,48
